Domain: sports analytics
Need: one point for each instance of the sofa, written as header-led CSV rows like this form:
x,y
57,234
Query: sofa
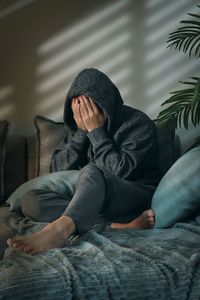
x,y
103,263
27,157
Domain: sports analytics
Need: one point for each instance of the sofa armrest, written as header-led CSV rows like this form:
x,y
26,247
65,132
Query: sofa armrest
x,y
4,234
15,168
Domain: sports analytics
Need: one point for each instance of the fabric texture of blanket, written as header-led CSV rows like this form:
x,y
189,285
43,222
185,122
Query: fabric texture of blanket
x,y
106,264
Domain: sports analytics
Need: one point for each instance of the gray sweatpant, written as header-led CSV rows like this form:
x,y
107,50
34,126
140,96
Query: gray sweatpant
x,y
94,194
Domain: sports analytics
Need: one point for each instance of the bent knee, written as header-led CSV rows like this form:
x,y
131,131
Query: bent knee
x,y
30,205
91,168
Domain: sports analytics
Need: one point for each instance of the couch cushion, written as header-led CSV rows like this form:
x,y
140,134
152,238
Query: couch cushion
x,y
4,128
49,135
15,163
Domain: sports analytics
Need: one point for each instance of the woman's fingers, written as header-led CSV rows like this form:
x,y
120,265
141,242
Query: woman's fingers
x,y
85,108
77,113
74,104
94,106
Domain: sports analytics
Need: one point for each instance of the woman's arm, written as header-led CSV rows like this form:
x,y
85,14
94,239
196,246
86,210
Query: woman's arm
x,y
72,153
132,150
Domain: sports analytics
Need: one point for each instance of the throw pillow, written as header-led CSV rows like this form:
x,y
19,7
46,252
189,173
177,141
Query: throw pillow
x,y
49,135
63,182
4,128
177,196
166,138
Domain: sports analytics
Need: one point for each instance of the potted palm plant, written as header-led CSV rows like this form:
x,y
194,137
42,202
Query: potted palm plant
x,y
183,105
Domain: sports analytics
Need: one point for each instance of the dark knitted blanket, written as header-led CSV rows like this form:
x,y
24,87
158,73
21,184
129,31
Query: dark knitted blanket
x,y
106,264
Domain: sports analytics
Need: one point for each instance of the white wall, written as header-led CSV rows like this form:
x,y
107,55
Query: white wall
x,y
45,43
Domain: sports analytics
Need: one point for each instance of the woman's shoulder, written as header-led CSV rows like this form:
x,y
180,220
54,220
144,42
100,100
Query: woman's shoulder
x,y
136,117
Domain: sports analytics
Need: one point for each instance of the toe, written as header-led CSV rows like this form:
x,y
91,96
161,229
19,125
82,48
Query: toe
x,y
28,249
151,222
150,213
14,245
116,225
13,242
10,242
34,251
20,248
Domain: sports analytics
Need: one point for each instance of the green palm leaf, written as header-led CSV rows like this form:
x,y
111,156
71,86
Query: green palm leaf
x,y
183,106
187,38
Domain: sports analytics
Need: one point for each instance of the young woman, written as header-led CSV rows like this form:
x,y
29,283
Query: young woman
x,y
115,149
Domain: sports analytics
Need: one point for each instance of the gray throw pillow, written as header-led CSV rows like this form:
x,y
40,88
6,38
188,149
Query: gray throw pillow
x,y
177,197
4,128
49,135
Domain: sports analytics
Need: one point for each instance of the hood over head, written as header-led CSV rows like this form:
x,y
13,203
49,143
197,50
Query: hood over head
x,y
96,85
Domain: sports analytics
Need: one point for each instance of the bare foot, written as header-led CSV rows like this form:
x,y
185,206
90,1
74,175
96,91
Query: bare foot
x,y
54,235
145,220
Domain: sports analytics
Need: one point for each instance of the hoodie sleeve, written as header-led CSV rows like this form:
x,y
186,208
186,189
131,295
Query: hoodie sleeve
x,y
71,154
132,149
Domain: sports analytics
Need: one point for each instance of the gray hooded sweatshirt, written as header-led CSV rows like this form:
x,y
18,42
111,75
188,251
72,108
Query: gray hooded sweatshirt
x,y
126,145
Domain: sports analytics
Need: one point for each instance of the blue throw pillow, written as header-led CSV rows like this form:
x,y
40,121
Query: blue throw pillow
x,y
177,196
